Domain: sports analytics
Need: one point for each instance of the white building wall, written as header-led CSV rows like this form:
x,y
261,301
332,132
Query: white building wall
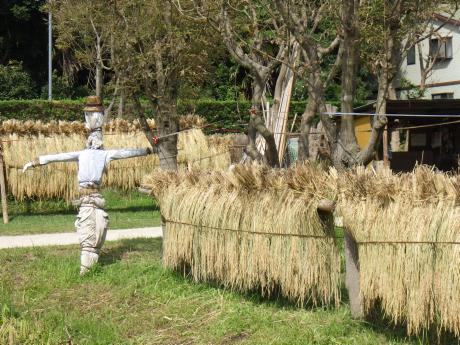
x,y
444,71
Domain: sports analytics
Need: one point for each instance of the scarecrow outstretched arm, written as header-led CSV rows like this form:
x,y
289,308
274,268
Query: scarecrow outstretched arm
x,y
127,153
60,157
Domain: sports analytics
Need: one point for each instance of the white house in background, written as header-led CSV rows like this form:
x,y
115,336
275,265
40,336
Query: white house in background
x,y
442,52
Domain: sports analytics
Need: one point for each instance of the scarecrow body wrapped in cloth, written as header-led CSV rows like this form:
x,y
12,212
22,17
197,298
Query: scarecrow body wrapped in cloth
x,y
92,220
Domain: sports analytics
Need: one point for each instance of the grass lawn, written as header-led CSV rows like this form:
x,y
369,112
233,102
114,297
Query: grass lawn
x,y
131,299
126,210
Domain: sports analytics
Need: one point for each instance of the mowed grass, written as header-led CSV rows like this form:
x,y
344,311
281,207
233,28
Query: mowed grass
x,y
125,209
129,298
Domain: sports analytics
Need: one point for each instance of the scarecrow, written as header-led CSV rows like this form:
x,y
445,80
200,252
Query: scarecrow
x,y
92,220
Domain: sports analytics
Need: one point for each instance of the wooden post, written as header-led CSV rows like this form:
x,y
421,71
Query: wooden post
x,y
163,241
395,141
326,205
352,276
3,187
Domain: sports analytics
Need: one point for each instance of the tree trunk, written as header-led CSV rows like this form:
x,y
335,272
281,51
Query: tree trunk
x,y
423,78
279,89
315,98
164,100
167,122
392,94
386,75
121,105
344,153
257,125
378,122
99,67
305,127
345,150
99,81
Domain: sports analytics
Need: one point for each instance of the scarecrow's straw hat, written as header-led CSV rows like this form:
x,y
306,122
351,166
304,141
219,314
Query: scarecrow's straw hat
x,y
93,103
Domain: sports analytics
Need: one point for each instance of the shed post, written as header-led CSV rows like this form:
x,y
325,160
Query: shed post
x,y
352,279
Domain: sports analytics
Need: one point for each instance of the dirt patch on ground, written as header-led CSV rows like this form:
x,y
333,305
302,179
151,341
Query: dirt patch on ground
x,y
235,338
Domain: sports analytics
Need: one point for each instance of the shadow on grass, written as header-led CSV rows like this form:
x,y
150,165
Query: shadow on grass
x,y
122,248
257,296
376,321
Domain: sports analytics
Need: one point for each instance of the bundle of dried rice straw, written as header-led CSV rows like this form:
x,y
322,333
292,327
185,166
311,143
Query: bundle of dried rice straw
x,y
60,180
397,221
251,228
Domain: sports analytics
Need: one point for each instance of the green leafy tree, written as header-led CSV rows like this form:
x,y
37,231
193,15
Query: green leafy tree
x,y
15,83
257,42
155,50
83,34
313,24
23,36
62,89
376,34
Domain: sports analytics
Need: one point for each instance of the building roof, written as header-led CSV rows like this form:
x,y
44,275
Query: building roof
x,y
419,106
449,19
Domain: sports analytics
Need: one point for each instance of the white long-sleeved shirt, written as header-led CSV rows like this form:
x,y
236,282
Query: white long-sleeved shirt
x,y
92,163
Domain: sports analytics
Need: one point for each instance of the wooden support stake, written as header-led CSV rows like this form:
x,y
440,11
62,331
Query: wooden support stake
x,y
144,190
326,205
352,276
163,229
3,188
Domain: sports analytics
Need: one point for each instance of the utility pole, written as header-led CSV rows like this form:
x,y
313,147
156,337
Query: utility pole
x,y
50,57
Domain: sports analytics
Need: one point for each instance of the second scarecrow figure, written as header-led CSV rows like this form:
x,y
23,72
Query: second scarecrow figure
x,y
92,220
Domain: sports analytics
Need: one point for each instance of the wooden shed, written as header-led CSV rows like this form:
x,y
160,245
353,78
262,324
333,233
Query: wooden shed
x,y
419,132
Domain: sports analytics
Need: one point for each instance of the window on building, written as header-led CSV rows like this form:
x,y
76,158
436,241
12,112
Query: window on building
x,y
441,48
411,56
445,95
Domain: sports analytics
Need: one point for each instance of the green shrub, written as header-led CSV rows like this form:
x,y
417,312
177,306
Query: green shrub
x,y
64,90
228,114
41,110
16,83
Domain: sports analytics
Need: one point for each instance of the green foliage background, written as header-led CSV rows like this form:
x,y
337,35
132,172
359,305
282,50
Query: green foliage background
x,y
15,83
224,114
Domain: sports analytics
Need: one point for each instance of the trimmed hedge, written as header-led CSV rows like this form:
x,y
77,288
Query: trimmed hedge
x,y
41,110
229,113
224,113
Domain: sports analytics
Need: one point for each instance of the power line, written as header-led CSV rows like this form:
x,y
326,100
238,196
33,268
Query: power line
x,y
338,114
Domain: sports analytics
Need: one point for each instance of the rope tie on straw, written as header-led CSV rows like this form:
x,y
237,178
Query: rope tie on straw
x,y
252,232
407,242
308,236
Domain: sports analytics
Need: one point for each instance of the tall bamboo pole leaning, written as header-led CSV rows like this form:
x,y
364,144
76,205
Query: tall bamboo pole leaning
x,y
3,187
283,113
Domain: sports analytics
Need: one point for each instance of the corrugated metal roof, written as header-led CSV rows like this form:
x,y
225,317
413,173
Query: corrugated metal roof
x,y
419,106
